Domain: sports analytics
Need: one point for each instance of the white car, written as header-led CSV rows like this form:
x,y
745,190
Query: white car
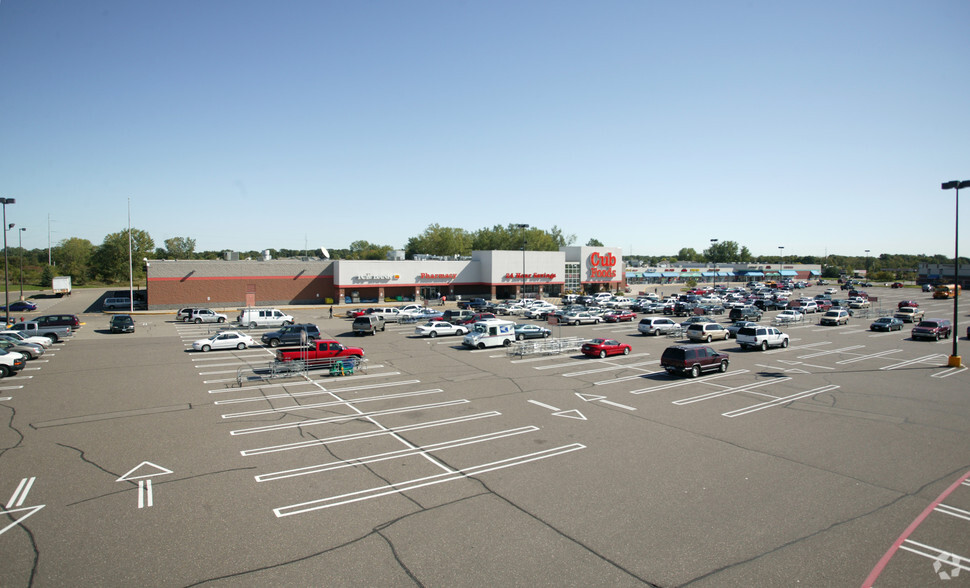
x,y
831,290
808,306
434,328
44,342
224,340
858,302
788,316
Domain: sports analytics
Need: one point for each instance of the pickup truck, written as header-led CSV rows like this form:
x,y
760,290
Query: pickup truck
x,y
318,352
31,329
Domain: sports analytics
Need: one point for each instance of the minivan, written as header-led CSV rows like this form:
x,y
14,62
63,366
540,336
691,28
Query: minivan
x,y
263,317
116,303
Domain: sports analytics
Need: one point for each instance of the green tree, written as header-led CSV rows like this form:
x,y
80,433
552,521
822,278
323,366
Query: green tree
x,y
687,254
722,252
109,262
594,243
744,256
366,250
47,277
438,240
180,247
73,258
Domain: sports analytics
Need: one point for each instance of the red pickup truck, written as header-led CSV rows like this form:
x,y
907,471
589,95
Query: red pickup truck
x,y
317,350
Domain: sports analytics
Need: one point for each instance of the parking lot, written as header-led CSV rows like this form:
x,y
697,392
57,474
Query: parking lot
x,y
838,461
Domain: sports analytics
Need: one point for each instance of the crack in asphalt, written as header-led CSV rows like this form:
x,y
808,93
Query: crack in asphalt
x,y
13,413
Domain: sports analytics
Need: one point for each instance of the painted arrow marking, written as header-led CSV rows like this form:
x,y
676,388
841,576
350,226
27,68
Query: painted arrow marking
x,y
592,397
569,414
148,470
16,500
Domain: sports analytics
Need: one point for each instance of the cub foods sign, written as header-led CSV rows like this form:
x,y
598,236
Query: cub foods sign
x,y
602,266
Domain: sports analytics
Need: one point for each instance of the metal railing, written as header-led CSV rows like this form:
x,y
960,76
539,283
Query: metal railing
x,y
553,346
335,366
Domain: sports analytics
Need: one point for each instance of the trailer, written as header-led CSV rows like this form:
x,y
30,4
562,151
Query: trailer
x,y
61,285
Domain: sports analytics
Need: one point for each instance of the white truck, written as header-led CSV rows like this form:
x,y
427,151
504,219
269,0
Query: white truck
x,y
490,333
61,285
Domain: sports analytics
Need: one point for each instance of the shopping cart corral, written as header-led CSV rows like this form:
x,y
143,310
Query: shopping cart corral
x,y
551,346
332,366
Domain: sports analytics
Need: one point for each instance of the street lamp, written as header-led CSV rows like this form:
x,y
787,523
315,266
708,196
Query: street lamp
x,y
713,254
6,294
20,234
523,227
954,360
781,255
867,265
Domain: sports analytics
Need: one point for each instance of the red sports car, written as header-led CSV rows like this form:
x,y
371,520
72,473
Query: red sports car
x,y
603,347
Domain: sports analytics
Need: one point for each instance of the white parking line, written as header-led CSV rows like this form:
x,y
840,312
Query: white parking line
x,y
778,401
831,351
717,393
924,359
869,356
707,380
949,372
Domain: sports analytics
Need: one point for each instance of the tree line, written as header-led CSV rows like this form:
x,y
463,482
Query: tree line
x,y
107,263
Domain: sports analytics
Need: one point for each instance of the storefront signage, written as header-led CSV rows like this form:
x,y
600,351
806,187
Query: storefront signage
x,y
425,276
375,277
518,276
602,266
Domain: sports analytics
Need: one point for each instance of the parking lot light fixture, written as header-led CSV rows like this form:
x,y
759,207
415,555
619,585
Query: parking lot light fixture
x,y
523,227
954,359
714,254
6,285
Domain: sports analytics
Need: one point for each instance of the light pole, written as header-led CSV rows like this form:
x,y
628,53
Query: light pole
x,y
523,227
781,256
954,360
713,254
20,234
6,289
867,265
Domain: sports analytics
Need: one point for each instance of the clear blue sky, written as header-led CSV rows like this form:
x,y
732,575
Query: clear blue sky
x,y
649,125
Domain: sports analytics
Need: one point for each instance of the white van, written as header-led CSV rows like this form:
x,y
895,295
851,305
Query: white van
x,y
116,303
263,317
490,333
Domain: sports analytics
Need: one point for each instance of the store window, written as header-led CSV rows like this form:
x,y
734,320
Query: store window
x,y
571,282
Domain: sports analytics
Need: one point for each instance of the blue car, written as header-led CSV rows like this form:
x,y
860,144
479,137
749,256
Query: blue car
x,y
20,306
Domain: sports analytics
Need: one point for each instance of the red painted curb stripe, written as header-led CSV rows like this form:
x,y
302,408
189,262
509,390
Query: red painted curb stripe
x,y
912,527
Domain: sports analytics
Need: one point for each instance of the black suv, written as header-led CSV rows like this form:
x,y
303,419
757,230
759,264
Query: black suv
x,y
291,335
745,313
693,359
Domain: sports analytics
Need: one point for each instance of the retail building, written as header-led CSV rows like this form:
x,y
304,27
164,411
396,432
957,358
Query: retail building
x,y
490,274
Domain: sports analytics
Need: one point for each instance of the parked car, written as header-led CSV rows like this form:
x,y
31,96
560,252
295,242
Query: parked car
x,y
619,316
788,316
291,335
581,318
761,337
58,320
909,303
831,291
897,285
183,313
656,326
263,317
927,288
835,317
476,317
932,329
434,328
858,302
11,362
603,347
28,350
733,328
455,316
205,315
224,340
807,306
706,332
697,319
886,323
20,306
121,323
745,313
693,360
908,314
16,336
527,331
368,324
